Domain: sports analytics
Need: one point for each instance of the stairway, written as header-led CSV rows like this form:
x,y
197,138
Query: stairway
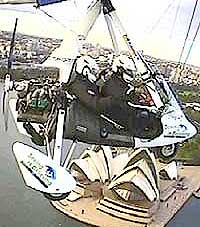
x,y
124,211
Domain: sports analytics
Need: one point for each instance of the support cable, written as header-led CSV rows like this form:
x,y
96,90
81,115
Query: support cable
x,y
194,38
160,18
56,20
175,18
188,31
52,17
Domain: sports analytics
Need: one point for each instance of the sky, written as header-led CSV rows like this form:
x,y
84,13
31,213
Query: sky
x,y
151,24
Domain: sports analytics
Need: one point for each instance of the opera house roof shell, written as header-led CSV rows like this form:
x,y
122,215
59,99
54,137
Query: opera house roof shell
x,y
129,177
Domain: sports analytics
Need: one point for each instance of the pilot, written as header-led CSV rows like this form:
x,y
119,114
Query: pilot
x,y
107,93
84,87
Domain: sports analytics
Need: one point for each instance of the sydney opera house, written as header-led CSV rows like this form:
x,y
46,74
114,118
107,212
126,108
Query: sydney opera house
x,y
124,186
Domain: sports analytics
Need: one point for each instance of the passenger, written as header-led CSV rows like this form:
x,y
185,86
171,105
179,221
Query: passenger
x,y
122,85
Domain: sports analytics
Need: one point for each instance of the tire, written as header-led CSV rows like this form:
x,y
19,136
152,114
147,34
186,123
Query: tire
x,y
103,132
56,197
85,70
168,151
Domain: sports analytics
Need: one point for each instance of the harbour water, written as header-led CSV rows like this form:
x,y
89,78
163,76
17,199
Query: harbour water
x,y
188,216
22,207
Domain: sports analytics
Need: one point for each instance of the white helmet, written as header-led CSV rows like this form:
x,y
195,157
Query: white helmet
x,y
128,66
87,66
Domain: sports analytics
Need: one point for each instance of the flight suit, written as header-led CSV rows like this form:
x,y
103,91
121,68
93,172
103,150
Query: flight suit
x,y
111,100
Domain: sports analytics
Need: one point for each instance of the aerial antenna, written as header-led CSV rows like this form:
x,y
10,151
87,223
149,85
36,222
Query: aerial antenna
x,y
188,31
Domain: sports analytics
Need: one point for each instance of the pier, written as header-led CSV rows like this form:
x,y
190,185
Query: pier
x,y
173,195
181,192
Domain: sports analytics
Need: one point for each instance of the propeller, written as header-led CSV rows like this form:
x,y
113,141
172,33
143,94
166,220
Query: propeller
x,y
8,84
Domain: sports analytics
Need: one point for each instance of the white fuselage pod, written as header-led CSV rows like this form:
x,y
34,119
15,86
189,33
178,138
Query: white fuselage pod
x,y
41,172
176,127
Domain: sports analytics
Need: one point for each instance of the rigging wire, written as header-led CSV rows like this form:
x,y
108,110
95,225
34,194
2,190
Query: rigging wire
x,y
160,18
194,38
16,10
52,17
175,19
42,11
188,31
56,20
75,4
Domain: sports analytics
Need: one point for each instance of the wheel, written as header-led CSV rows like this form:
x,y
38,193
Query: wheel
x,y
103,132
55,196
168,151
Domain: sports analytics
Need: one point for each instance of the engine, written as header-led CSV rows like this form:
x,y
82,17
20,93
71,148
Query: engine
x,y
37,100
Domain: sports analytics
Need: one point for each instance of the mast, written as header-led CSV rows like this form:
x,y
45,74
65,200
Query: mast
x,y
112,33
110,11
12,44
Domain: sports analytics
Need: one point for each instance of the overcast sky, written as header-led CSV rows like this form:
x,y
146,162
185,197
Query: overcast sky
x,y
150,23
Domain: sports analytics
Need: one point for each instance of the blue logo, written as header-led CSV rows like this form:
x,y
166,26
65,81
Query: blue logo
x,y
50,172
183,127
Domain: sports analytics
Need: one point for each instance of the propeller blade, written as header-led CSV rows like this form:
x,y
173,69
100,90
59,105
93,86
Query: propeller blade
x,y
5,109
12,45
8,83
6,99
3,100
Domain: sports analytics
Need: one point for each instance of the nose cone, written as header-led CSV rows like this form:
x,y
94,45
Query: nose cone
x,y
192,130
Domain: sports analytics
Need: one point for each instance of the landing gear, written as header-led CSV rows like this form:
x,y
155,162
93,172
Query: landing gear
x,y
103,132
35,136
168,151
56,196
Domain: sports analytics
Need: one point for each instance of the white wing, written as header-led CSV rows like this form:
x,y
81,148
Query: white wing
x,y
38,2
17,1
63,57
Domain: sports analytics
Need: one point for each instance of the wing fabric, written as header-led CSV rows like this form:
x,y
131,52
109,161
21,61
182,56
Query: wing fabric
x,y
17,1
63,57
48,2
39,2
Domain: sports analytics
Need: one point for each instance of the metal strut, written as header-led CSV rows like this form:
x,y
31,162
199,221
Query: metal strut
x,y
57,154
109,11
